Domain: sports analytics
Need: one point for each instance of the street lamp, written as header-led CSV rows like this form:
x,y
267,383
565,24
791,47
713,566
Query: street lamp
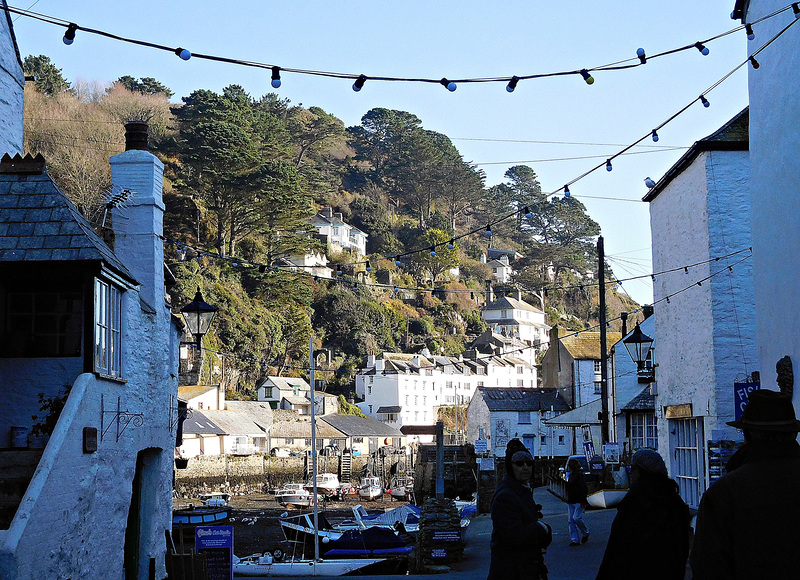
x,y
198,316
638,345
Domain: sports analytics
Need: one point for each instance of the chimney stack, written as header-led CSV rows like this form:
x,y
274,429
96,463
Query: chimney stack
x,y
517,294
135,136
647,309
624,317
489,292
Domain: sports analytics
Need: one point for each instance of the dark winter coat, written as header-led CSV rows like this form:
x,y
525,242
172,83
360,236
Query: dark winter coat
x,y
577,489
517,538
650,534
747,524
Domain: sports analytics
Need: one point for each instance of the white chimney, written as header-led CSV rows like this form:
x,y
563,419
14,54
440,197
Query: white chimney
x,y
139,222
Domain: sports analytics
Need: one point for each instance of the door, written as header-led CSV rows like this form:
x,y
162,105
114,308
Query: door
x,y
688,458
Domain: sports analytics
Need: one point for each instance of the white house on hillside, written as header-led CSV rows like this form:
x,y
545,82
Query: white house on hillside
x,y
499,414
340,235
274,389
511,316
699,214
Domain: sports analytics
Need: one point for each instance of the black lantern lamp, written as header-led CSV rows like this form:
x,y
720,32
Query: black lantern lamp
x,y
638,345
198,316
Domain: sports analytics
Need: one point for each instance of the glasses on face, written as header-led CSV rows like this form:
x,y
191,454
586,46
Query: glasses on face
x,y
525,462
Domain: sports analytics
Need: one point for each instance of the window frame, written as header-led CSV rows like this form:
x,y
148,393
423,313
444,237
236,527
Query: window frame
x,y
107,329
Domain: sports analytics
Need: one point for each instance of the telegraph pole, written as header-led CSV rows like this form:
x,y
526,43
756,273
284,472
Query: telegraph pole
x,y
601,275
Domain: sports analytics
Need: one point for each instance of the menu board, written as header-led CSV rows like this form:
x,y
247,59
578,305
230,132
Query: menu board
x,y
719,452
216,542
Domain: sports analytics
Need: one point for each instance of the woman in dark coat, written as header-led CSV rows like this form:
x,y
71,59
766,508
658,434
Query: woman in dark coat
x,y
518,536
650,534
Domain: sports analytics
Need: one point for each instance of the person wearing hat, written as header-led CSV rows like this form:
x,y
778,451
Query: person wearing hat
x,y
519,537
747,523
649,536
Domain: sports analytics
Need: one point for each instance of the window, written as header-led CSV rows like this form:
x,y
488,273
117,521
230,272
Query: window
x,y
371,380
598,368
308,441
524,417
504,314
424,400
295,391
406,399
289,441
520,383
416,400
480,383
370,409
448,384
267,392
520,369
107,322
644,432
561,440
335,231
369,389
42,324
358,439
598,387
543,439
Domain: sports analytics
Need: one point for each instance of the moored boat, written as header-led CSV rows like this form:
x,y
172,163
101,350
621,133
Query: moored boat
x,y
402,487
205,516
606,498
294,494
370,488
327,484
266,565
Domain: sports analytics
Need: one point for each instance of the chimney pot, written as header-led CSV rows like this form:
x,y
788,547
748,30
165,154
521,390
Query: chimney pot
x,y
135,135
647,310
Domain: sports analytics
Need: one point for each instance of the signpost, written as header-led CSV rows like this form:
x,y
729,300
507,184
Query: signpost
x,y
216,542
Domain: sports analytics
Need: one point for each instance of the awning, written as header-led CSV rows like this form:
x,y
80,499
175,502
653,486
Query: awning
x,y
390,409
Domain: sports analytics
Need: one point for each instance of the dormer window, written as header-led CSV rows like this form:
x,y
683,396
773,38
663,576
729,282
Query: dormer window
x,y
107,325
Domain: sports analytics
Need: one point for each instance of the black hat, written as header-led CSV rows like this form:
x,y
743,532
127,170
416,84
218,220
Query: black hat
x,y
512,447
768,411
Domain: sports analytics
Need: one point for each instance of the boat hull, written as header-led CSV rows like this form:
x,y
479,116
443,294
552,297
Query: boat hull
x,y
253,569
606,498
370,493
201,516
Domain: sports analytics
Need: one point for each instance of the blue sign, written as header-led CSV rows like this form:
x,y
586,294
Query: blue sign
x,y
741,394
588,450
216,542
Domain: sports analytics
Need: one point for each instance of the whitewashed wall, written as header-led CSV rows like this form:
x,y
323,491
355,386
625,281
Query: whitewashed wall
x,y
774,153
12,84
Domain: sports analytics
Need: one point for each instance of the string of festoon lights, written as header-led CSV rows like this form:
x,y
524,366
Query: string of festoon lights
x,y
182,249
359,80
519,350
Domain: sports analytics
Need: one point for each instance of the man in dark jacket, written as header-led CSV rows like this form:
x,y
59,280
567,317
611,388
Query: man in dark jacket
x,y
518,537
747,524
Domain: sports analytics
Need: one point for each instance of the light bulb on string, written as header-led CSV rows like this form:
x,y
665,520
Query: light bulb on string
x,y
359,84
488,231
587,77
705,102
433,251
449,85
608,165
276,77
702,48
69,35
512,84
368,267
397,263
655,136
642,56
183,53
527,212
338,271
748,28
754,62
451,244
566,191
796,10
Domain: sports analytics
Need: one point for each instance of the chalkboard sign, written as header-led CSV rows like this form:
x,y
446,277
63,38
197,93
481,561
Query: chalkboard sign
x,y
216,542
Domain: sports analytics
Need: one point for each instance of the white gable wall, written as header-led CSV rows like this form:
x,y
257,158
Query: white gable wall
x,y
12,84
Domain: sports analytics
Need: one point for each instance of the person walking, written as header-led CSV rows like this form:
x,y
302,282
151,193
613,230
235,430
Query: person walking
x,y
519,537
577,490
747,523
649,536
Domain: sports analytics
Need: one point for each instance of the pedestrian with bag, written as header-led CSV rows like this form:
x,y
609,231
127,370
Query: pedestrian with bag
x,y
650,534
519,537
577,490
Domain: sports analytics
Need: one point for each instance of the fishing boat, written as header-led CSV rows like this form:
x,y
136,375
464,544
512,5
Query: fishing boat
x,y
606,498
370,488
402,487
267,565
327,484
294,494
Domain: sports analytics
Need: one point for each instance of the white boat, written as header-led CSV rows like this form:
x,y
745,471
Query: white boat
x,y
327,484
294,494
265,565
370,488
402,487
215,499
606,498
402,518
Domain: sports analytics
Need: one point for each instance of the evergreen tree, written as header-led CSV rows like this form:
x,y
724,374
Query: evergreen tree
x,y
49,79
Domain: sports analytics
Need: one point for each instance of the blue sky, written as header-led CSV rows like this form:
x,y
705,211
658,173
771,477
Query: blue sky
x,y
450,39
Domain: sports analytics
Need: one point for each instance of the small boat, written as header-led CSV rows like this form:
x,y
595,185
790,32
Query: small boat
x,y
205,516
404,518
327,484
266,565
606,498
402,487
294,494
370,488
215,499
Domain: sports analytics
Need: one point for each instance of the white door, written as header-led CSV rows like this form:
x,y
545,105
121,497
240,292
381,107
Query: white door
x,y
688,458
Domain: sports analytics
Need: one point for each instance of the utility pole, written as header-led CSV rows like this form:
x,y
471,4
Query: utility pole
x,y
601,276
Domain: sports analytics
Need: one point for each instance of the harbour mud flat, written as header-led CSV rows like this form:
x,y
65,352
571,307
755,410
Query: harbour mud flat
x,y
255,520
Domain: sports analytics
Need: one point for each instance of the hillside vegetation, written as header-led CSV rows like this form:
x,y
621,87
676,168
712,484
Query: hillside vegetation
x,y
243,176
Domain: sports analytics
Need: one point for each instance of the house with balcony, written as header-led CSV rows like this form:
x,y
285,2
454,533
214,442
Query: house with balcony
x,y
340,235
85,329
512,317
497,415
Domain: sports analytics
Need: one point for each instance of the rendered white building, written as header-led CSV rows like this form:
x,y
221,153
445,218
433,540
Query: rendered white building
x,y
774,173
340,235
12,85
511,316
700,218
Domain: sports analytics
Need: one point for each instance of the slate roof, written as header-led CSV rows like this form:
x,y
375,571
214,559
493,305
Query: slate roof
x,y
355,426
38,223
259,412
297,400
583,415
302,429
199,424
389,409
519,399
732,136
587,344
234,422
497,252
287,383
644,401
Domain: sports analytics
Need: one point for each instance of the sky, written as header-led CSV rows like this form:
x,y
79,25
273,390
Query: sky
x,y
559,126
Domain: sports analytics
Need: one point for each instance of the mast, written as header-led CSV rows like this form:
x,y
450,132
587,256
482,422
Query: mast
x,y
314,448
